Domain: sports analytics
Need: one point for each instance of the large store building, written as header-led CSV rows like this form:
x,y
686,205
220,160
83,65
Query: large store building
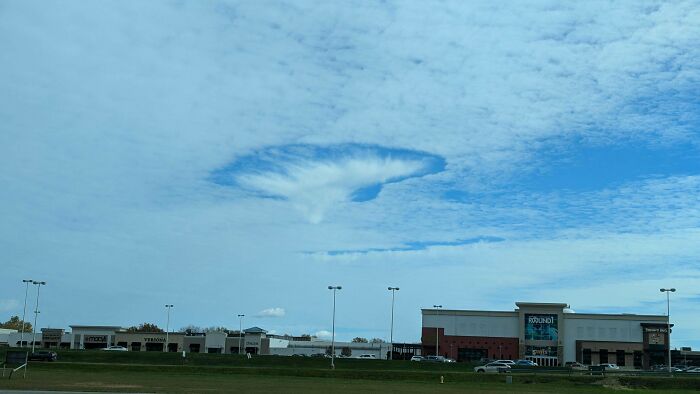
x,y
547,333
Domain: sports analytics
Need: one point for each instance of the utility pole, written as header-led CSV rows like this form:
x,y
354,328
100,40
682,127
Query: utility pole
x,y
24,312
240,333
167,327
36,311
437,329
668,322
391,334
334,288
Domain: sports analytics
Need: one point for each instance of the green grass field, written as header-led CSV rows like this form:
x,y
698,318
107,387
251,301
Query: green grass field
x,y
167,372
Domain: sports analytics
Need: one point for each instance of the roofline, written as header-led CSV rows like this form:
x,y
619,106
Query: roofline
x,y
617,316
520,304
605,316
104,327
468,312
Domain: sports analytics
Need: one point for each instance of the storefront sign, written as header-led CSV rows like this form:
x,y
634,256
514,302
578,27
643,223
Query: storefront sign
x,y
154,339
550,351
95,339
541,327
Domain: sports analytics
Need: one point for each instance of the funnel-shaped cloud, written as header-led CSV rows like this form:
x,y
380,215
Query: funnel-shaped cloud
x,y
315,178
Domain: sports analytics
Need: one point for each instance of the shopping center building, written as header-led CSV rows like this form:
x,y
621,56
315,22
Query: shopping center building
x,y
547,333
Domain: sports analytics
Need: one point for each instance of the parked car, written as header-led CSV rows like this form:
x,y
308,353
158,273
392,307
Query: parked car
x,y
509,362
609,366
494,367
450,360
116,348
435,359
368,356
43,355
525,363
417,358
693,370
575,365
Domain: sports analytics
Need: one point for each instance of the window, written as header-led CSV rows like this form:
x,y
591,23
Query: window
x,y
603,356
638,358
621,358
586,356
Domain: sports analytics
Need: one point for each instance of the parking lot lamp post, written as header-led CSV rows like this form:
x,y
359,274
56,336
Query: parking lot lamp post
x,y
668,322
167,327
437,329
334,288
391,332
36,311
240,333
24,312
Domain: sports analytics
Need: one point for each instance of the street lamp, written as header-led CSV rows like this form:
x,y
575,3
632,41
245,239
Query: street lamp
x,y
240,332
24,313
167,326
668,322
36,311
391,333
334,288
437,329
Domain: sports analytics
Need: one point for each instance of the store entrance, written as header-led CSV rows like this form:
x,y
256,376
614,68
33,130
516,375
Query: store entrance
x,y
544,361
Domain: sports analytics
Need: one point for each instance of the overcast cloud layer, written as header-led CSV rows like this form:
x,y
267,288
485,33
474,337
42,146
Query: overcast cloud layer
x,y
239,157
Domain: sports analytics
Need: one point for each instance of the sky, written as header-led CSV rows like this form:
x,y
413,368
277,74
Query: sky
x,y
238,157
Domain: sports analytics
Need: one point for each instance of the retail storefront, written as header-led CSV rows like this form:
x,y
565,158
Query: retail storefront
x,y
549,334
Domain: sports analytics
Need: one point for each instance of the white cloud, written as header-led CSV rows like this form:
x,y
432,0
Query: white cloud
x,y
323,334
8,305
271,312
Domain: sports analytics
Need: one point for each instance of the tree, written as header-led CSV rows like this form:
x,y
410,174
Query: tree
x,y
346,351
15,323
192,329
360,340
145,327
377,340
217,329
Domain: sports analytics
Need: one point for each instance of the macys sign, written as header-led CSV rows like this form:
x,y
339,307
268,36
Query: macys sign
x,y
547,319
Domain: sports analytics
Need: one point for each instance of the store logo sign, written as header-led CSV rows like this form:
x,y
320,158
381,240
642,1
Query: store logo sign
x,y
533,319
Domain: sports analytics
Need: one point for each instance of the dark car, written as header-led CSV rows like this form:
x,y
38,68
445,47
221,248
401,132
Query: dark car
x,y
43,355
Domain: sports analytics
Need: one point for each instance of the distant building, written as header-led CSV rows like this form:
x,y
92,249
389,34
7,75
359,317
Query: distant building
x,y
547,333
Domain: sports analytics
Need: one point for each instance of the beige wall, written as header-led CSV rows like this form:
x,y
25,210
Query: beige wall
x,y
145,338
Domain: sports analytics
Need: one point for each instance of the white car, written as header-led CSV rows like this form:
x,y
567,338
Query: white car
x,y
368,356
493,367
509,362
116,348
610,366
417,358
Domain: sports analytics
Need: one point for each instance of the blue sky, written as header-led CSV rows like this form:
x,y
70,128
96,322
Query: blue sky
x,y
239,157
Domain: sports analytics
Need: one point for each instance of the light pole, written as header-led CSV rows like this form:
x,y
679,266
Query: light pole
x,y
167,326
240,333
668,322
334,288
437,329
36,311
24,312
391,333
